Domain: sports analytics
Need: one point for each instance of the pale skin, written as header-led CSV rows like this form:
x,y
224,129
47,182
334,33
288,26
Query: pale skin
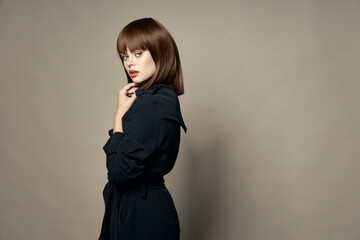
x,y
126,97
142,62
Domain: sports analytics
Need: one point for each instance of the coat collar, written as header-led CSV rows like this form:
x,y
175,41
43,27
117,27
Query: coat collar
x,y
152,89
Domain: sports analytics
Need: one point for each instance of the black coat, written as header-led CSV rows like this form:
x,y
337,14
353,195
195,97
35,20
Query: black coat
x,y
137,203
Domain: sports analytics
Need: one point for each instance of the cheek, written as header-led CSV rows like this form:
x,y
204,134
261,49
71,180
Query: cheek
x,y
152,67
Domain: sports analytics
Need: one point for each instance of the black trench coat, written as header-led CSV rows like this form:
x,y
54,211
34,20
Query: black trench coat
x,y
138,206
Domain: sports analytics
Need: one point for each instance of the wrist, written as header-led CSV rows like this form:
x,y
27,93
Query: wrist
x,y
117,126
119,115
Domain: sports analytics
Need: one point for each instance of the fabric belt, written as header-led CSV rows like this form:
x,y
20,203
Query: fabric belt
x,y
143,185
112,194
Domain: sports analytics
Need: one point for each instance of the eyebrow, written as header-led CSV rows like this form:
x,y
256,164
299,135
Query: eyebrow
x,y
137,49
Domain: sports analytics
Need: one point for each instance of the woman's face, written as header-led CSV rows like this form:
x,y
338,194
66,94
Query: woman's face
x,y
139,64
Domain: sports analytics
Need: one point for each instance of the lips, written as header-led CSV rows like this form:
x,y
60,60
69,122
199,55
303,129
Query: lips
x,y
133,73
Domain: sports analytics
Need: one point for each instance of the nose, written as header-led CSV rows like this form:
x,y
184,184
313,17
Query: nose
x,y
130,62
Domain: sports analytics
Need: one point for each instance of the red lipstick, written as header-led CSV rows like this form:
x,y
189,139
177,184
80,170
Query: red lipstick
x,y
133,73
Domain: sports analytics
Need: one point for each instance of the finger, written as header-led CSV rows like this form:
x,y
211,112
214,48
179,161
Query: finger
x,y
132,90
129,86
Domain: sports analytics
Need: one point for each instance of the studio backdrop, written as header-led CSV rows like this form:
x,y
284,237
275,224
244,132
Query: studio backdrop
x,y
271,105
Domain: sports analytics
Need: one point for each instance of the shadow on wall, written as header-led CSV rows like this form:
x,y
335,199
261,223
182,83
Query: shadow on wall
x,y
204,179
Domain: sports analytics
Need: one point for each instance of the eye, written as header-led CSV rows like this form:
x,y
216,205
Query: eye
x,y
124,57
138,54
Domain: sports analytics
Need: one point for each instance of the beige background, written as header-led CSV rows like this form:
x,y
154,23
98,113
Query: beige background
x,y
271,104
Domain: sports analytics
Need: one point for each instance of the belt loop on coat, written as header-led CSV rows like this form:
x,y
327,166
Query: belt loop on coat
x,y
143,191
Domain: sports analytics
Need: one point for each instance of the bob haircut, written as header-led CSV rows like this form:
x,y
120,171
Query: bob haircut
x,y
150,34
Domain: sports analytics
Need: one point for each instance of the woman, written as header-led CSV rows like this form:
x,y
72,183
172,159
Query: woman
x,y
144,143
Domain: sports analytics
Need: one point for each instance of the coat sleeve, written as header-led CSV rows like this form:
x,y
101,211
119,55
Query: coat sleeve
x,y
127,152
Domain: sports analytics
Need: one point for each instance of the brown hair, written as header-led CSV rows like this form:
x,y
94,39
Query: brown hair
x,y
150,34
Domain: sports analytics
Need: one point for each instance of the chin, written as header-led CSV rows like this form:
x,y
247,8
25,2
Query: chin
x,y
136,81
139,81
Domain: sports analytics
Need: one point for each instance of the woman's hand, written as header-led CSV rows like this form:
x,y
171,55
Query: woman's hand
x,y
126,97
